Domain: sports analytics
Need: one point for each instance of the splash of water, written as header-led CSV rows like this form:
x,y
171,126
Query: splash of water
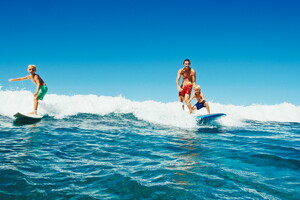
x,y
169,114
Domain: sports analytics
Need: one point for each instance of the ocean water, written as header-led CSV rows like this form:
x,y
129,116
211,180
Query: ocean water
x,y
98,147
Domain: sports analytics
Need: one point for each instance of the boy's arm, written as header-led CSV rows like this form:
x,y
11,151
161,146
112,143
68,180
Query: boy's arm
x,y
206,104
202,96
19,79
189,101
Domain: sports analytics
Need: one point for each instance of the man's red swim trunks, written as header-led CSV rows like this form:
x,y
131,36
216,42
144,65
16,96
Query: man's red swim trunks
x,y
186,89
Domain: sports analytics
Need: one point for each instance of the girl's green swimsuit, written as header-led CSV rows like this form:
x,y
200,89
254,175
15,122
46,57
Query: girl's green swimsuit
x,y
43,90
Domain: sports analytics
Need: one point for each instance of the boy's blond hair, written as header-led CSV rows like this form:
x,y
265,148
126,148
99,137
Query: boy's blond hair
x,y
197,87
32,66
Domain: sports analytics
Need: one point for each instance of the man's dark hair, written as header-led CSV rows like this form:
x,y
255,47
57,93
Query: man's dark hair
x,y
187,60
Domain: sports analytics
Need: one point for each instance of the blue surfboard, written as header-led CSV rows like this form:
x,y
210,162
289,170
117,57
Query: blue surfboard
x,y
209,117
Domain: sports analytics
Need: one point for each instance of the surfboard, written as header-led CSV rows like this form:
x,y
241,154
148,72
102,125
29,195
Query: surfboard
x,y
27,116
210,117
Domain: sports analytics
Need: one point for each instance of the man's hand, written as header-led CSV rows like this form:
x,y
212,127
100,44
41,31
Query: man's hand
x,y
179,88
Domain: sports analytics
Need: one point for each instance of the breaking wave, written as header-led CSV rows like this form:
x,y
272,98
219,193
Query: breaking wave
x,y
169,114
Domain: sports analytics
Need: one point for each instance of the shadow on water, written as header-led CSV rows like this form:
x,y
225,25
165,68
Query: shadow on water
x,y
22,122
212,126
208,122
211,129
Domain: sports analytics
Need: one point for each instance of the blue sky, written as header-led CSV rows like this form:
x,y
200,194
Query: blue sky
x,y
244,52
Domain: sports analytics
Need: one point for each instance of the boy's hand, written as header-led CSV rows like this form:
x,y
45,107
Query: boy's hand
x,y
35,94
10,79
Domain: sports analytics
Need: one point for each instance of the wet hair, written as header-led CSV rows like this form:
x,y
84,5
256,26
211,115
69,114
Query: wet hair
x,y
187,60
197,87
33,66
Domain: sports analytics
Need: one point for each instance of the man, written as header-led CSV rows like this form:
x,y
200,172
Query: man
x,y
188,82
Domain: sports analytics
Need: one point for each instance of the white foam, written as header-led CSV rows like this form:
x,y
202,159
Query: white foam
x,y
170,114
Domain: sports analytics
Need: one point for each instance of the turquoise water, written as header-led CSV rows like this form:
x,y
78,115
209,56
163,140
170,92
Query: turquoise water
x,y
119,156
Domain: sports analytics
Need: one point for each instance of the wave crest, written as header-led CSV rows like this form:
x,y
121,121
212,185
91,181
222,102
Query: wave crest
x,y
169,114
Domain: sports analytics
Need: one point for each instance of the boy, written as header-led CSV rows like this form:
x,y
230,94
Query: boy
x,y
200,100
41,88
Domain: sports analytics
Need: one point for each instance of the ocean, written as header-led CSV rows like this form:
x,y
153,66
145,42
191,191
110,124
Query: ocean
x,y
100,147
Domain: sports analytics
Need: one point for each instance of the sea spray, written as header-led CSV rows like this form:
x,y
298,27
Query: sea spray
x,y
169,114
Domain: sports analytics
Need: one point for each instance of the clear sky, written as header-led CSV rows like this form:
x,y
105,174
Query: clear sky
x,y
245,52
